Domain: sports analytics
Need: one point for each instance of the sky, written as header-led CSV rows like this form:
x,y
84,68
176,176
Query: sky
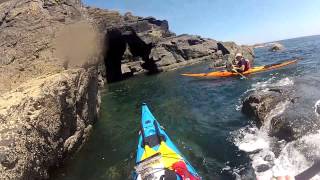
x,y
242,21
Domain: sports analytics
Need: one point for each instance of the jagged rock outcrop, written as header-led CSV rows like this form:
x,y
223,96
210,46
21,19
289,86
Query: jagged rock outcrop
x,y
298,118
177,51
147,45
49,84
259,103
45,121
149,29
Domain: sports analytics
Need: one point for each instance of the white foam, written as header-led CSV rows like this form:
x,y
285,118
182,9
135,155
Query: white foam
x,y
251,139
265,86
294,157
258,142
271,83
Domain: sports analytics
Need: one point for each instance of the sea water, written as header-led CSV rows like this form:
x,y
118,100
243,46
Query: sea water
x,y
204,120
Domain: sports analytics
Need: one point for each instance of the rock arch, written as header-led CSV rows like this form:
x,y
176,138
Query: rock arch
x,y
117,41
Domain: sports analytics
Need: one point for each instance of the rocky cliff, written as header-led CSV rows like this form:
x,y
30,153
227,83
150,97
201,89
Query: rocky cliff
x,y
53,57
49,97
137,45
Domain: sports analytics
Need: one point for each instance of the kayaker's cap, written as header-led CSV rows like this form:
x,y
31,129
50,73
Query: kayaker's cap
x,y
238,55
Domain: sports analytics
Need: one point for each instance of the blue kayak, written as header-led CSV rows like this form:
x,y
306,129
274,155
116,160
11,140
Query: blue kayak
x,y
157,157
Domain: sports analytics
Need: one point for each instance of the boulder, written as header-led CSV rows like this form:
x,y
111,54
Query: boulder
x,y
259,103
276,47
233,48
298,117
182,48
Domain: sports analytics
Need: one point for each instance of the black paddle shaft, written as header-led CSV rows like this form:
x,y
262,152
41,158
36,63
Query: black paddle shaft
x,y
309,173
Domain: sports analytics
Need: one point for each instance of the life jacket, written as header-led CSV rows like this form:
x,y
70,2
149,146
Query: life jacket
x,y
246,64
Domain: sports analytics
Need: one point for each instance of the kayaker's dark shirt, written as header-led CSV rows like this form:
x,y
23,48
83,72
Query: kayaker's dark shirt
x,y
245,63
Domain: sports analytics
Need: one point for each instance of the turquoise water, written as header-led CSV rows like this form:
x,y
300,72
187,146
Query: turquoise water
x,y
198,114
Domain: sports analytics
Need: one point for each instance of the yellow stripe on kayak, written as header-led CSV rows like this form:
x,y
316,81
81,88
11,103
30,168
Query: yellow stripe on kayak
x,y
148,152
168,156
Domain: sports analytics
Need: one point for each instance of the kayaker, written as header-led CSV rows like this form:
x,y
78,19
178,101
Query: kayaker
x,y
243,64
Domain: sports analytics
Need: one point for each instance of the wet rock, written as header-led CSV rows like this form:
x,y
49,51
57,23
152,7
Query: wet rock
x,y
298,117
296,121
268,158
317,108
276,47
263,168
259,103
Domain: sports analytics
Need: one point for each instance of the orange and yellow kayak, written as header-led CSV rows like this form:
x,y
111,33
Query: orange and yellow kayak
x,y
253,70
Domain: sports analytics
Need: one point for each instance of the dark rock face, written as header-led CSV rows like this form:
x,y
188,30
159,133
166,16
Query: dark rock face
x,y
147,45
126,44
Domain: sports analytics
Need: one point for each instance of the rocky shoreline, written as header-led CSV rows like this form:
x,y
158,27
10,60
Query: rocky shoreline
x,y
298,118
146,45
55,56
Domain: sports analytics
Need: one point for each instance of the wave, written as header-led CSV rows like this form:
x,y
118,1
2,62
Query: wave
x,y
273,157
271,83
259,144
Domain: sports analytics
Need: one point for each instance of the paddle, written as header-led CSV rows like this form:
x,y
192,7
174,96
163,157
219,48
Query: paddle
x,y
309,173
244,77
